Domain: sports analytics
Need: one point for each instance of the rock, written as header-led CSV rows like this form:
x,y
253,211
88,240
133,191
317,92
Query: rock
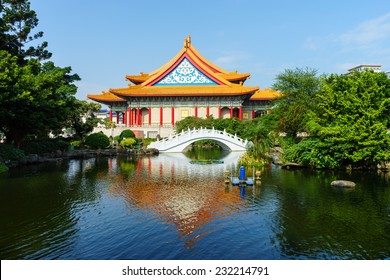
x,y
290,165
343,184
32,158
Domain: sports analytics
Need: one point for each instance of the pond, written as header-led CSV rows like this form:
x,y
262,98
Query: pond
x,y
164,207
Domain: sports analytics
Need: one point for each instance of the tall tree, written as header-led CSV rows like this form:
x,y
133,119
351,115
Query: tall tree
x,y
82,119
17,21
35,98
352,118
299,88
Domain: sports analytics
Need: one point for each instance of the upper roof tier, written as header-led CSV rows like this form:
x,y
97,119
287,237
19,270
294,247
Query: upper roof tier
x,y
187,74
194,54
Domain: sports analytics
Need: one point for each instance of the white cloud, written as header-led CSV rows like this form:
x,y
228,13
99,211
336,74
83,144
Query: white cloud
x,y
368,32
344,67
230,60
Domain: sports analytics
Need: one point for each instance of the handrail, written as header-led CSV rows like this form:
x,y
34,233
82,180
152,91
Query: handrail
x,y
188,135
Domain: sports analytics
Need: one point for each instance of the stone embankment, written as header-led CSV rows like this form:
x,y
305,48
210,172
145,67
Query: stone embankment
x,y
79,154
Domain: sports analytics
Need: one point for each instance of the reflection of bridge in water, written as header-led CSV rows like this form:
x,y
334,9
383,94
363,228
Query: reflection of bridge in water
x,y
178,142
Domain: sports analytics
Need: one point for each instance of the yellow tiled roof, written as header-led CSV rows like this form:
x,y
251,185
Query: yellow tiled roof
x,y
266,94
213,90
105,97
145,83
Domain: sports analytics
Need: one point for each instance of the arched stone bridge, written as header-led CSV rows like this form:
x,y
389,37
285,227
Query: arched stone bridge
x,y
178,142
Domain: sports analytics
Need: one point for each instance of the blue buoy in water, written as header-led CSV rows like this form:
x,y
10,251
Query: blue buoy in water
x,y
242,173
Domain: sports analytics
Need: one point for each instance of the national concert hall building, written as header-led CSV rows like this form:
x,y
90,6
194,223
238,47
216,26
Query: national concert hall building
x,y
188,85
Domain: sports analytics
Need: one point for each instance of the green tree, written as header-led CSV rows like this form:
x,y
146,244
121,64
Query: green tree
x,y
82,119
97,140
127,133
128,142
350,122
17,21
36,98
299,88
189,123
261,132
232,126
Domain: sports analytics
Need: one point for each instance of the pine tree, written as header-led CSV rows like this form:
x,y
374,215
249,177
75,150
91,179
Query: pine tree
x,y
17,21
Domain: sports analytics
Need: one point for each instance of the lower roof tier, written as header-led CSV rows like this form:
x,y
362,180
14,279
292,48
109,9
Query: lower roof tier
x,y
220,90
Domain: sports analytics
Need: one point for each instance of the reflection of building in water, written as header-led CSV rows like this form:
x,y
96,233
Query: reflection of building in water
x,y
189,197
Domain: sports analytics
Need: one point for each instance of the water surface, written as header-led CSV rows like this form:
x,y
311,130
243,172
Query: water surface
x,y
166,208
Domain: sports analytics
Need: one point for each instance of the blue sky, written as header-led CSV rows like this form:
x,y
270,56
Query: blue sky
x,y
105,40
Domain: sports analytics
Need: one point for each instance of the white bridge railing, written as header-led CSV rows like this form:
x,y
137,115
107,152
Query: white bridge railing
x,y
178,142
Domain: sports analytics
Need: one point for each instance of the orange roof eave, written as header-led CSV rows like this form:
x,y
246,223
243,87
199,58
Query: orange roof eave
x,y
105,97
183,91
235,76
266,94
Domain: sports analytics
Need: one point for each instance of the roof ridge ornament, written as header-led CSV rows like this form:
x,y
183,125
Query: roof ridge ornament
x,y
187,42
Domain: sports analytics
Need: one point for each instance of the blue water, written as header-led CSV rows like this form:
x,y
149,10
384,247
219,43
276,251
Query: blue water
x,y
166,208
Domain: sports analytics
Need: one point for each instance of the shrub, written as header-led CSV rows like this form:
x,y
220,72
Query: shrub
x,y
127,133
9,152
309,152
147,141
76,143
44,146
3,167
128,142
97,141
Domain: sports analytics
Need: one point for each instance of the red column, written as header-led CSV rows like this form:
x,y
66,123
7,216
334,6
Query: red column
x,y
124,118
240,113
129,116
161,115
139,116
150,115
207,111
253,114
110,115
219,112
196,111
231,111
173,115
117,117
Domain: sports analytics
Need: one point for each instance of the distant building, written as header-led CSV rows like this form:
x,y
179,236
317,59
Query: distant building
x,y
363,67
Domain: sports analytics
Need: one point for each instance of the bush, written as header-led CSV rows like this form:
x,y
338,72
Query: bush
x,y
127,133
97,141
128,142
309,152
45,146
3,167
147,141
9,152
76,143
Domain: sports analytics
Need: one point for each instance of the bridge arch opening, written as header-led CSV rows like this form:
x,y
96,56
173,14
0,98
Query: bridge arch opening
x,y
207,144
